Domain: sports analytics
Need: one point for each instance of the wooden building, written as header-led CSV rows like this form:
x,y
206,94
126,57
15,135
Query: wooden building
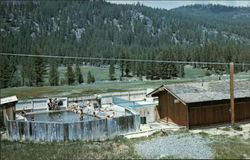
x,y
203,103
7,109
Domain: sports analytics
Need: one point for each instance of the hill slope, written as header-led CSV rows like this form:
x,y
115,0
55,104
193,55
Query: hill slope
x,y
100,29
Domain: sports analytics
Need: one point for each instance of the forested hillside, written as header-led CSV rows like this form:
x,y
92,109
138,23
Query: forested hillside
x,y
100,29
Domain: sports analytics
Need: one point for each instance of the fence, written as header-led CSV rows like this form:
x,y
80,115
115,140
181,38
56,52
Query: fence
x,y
89,130
38,104
107,97
41,104
126,103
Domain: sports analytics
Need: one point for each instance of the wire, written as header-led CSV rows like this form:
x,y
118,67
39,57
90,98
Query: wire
x,y
120,59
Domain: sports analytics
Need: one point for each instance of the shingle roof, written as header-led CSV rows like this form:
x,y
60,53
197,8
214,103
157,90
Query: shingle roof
x,y
8,100
206,91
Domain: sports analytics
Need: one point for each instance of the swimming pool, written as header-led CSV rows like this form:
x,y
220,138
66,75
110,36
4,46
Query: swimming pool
x,y
62,116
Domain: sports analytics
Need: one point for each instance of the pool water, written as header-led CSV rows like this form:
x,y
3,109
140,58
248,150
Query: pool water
x,y
65,116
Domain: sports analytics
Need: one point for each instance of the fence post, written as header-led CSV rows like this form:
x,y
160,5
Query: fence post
x,y
232,93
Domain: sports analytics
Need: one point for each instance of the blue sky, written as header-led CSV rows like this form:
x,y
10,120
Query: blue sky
x,y
174,4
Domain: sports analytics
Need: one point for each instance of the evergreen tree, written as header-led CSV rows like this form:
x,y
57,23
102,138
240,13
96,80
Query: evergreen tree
x,y
7,70
92,79
181,72
39,71
70,76
111,71
89,77
27,71
124,65
79,77
53,75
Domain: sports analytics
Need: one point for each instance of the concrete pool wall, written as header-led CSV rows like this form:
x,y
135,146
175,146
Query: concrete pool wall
x,y
64,131
41,104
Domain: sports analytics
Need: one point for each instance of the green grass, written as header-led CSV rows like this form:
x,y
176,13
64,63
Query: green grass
x,y
101,74
82,90
230,147
226,129
117,148
223,147
191,72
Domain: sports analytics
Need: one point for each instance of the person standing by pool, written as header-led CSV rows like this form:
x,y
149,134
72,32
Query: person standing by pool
x,y
23,113
99,101
49,104
81,114
55,104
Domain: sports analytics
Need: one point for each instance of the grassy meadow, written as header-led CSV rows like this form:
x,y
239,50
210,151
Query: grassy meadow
x,y
102,84
223,147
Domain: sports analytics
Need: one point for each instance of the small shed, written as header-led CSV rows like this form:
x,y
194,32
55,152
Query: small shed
x,y
8,109
202,103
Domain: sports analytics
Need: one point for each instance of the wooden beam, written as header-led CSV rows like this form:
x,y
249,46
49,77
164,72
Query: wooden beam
x,y
232,93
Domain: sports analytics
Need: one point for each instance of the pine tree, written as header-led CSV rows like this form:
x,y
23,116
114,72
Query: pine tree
x,y
124,65
111,72
27,71
181,72
92,79
7,70
70,76
79,77
89,78
39,70
53,75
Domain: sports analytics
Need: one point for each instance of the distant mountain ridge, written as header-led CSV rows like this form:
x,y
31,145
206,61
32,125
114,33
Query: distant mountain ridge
x,y
99,28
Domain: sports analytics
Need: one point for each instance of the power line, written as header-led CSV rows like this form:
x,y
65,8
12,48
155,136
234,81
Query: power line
x,y
120,59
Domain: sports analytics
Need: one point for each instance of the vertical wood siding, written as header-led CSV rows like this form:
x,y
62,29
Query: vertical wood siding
x,y
56,131
171,112
218,114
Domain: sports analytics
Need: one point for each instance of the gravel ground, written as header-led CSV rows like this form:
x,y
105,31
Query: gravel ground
x,y
179,146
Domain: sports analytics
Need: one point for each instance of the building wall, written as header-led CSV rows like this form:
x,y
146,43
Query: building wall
x,y
242,111
206,115
217,114
8,112
201,115
170,111
150,112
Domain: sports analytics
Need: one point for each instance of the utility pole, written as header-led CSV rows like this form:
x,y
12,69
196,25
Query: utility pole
x,y
232,93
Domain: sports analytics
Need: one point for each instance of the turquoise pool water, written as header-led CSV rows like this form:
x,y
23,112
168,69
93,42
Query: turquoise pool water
x,y
63,116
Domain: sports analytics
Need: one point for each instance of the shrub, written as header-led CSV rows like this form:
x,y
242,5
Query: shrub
x,y
226,129
237,127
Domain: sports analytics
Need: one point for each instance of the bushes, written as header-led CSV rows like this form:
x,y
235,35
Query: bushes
x,y
237,127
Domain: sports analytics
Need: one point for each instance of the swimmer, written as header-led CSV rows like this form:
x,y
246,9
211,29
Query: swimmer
x,y
81,118
75,110
112,115
23,113
94,114
81,112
